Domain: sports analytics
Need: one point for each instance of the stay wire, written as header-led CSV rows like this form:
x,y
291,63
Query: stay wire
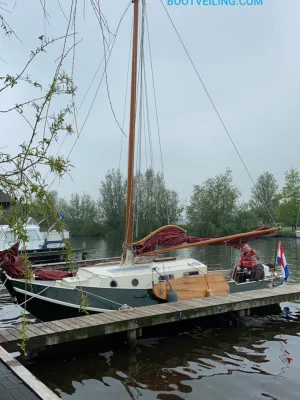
x,y
216,110
157,121
94,98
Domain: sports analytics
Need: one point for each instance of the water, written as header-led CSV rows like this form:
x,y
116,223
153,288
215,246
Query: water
x,y
211,361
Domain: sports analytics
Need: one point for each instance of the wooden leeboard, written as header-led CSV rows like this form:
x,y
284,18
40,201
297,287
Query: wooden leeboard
x,y
192,287
160,290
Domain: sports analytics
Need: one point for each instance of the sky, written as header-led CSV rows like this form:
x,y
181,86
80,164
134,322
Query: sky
x,y
247,57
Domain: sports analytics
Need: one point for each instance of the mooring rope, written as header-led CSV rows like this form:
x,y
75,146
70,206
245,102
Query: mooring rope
x,y
3,284
123,307
26,301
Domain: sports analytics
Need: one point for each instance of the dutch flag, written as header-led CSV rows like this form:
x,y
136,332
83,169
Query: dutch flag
x,y
281,260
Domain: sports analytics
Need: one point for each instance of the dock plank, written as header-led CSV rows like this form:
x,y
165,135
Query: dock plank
x,y
63,326
91,325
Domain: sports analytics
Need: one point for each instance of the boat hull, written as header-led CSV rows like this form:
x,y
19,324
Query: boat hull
x,y
247,286
48,303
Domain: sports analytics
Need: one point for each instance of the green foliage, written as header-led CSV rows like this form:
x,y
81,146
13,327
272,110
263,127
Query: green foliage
x,y
214,205
82,215
288,210
155,205
112,201
264,200
45,121
245,219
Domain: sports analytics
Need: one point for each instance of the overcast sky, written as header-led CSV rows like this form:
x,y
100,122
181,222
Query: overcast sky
x,y
248,58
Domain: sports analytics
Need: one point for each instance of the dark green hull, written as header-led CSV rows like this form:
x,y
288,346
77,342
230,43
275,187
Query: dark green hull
x,y
245,287
52,303
56,303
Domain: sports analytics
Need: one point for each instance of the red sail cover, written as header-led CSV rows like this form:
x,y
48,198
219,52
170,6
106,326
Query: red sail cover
x,y
13,265
174,236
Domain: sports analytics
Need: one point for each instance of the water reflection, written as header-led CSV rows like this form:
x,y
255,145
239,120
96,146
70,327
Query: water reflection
x,y
261,361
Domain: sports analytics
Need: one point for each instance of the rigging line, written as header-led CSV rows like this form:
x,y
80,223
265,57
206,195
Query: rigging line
x,y
157,122
93,101
84,9
126,93
100,17
82,101
73,66
61,9
58,68
97,8
148,122
46,15
145,138
106,78
26,301
215,108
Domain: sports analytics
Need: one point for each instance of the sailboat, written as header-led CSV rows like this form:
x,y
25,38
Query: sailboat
x,y
141,278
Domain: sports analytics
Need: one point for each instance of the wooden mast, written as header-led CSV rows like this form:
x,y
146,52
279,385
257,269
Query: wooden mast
x,y
130,174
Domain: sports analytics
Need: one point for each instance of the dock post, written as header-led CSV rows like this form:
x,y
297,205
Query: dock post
x,y
241,317
132,338
140,332
248,312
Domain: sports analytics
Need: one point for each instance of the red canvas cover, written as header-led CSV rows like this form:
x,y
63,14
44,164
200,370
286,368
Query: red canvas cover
x,y
13,265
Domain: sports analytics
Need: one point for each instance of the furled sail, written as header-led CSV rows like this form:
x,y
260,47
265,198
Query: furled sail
x,y
173,235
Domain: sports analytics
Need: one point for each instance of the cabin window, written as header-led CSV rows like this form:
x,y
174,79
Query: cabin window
x,y
166,277
191,273
134,282
113,284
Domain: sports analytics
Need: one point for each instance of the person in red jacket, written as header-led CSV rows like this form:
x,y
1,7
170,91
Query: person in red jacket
x,y
245,261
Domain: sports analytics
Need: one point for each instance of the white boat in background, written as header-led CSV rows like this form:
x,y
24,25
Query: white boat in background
x,y
298,234
49,243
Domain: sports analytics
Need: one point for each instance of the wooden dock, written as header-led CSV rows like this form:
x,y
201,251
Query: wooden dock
x,y
43,335
17,383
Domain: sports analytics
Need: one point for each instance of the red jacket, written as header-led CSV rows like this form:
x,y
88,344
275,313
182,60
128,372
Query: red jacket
x,y
245,260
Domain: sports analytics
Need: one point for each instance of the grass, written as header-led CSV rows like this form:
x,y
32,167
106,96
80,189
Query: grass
x,y
287,231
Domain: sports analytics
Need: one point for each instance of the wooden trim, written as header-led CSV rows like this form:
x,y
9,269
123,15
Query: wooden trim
x,y
164,259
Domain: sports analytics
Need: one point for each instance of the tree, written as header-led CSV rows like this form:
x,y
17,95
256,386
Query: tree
x,y
264,200
245,219
155,205
45,121
288,211
112,200
82,216
213,205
